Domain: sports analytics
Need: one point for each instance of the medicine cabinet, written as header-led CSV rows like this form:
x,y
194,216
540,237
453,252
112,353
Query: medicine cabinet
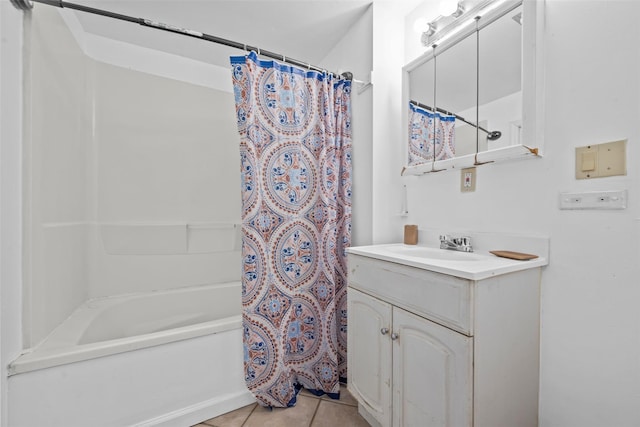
x,y
487,73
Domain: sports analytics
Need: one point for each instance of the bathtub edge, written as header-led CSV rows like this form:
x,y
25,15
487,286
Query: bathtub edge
x,y
48,358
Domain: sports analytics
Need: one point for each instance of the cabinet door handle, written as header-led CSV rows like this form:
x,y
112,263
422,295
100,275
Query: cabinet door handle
x,y
384,331
394,336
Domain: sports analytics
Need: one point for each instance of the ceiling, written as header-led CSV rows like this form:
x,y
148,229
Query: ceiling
x,y
305,30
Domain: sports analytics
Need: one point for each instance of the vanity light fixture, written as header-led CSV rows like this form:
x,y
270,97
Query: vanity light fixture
x,y
431,30
466,11
459,11
421,25
448,7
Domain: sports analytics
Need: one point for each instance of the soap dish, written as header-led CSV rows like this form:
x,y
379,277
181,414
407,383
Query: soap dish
x,y
514,255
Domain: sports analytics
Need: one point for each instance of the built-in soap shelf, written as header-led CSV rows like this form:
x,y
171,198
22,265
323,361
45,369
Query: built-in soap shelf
x,y
170,238
213,237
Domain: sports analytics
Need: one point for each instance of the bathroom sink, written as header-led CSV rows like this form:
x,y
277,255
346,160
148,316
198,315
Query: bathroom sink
x,y
435,253
468,265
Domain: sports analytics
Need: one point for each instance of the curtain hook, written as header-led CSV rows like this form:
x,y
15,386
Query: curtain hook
x,y
258,51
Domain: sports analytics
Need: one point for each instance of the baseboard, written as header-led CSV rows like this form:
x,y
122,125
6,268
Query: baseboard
x,y
194,414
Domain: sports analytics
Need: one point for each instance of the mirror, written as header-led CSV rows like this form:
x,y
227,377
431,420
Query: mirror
x,y
421,137
477,76
456,73
500,78
452,91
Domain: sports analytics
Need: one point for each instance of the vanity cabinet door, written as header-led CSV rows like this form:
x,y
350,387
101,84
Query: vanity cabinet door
x,y
432,373
369,363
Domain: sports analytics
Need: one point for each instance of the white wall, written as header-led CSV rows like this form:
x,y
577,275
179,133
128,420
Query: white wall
x,y
591,326
11,26
590,338
354,53
387,149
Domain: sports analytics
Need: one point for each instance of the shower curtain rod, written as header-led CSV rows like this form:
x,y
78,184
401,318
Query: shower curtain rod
x,y
185,32
491,136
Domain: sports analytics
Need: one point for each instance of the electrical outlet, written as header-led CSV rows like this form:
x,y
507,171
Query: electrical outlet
x,y
468,180
594,200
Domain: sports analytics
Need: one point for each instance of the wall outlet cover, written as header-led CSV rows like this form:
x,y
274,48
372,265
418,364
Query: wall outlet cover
x,y
468,180
611,199
600,160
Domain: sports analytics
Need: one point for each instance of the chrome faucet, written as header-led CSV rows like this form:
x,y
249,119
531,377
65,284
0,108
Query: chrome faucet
x,y
462,244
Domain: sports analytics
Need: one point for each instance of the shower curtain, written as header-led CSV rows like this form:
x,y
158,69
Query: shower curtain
x,y
431,135
295,154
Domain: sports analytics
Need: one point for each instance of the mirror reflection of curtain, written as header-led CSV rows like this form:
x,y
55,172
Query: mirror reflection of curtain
x,y
431,135
295,132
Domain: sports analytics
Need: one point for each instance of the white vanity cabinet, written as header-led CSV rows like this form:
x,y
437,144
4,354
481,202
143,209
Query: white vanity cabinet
x,y
430,349
408,363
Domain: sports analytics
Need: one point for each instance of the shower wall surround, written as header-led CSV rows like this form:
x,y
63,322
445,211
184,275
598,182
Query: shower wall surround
x,y
118,160
57,147
166,168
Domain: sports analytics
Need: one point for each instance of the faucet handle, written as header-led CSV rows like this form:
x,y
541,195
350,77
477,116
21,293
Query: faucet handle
x,y
444,237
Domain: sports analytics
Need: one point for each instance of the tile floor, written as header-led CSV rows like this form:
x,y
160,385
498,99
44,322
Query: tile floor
x,y
310,411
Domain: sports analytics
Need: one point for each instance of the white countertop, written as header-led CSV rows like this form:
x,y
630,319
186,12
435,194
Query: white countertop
x,y
473,266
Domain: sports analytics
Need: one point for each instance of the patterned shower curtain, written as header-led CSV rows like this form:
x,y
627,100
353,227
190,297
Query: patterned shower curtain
x,y
295,151
431,135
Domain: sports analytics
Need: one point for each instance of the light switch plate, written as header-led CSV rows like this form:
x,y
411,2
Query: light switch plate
x,y
616,199
468,180
600,160
612,158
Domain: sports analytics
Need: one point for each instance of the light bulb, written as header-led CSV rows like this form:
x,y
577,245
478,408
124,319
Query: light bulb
x,y
421,25
447,7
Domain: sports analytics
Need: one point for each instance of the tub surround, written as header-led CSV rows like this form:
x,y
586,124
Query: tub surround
x,y
168,385
170,238
111,325
141,359
124,192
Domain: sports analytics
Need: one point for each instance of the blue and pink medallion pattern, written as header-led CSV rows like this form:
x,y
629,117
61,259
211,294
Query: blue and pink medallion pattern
x,y
295,164
431,136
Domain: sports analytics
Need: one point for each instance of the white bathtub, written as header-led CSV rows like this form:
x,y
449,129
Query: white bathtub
x,y
162,358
